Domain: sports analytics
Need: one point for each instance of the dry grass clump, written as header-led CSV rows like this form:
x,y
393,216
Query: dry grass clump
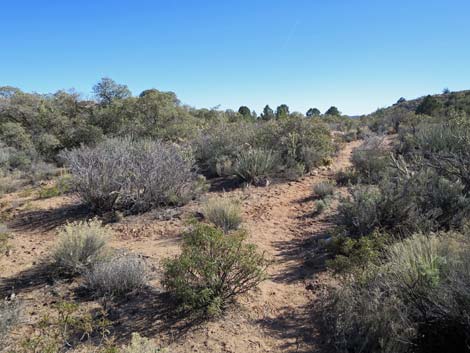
x,y
323,189
81,246
117,277
223,212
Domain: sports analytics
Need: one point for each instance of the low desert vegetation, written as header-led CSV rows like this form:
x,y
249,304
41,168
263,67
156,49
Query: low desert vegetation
x,y
67,327
401,242
323,190
414,300
223,212
132,175
117,277
213,269
81,246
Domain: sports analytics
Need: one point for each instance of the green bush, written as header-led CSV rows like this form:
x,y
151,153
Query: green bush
x,y
224,213
299,145
81,245
61,186
416,300
404,204
370,160
253,165
213,269
218,145
352,254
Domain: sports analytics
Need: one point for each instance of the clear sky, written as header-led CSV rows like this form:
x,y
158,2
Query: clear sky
x,y
357,55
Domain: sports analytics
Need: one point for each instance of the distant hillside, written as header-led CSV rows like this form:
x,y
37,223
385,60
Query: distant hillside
x,y
441,106
438,104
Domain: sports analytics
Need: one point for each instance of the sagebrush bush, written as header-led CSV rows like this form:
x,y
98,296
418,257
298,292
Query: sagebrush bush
x,y
404,204
117,277
218,145
299,145
213,269
322,205
223,212
360,213
323,190
416,300
370,160
9,317
81,245
132,175
252,165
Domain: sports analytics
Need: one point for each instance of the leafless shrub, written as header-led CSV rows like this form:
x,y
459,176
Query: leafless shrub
x,y
132,175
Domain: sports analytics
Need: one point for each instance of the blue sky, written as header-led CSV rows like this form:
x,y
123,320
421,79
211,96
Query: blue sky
x,y
357,55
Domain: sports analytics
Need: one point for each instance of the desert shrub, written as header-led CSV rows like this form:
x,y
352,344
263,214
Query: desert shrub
x,y
40,170
403,204
81,245
117,277
415,300
322,205
62,186
67,326
224,213
346,177
360,214
9,317
352,254
212,269
298,144
11,182
296,141
446,148
252,165
141,345
323,189
370,160
132,175
218,145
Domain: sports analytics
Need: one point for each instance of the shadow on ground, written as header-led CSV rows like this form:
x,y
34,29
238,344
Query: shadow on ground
x,y
151,313
27,280
297,330
45,220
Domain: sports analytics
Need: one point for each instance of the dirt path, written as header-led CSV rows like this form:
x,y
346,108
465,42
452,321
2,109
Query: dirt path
x,y
278,316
